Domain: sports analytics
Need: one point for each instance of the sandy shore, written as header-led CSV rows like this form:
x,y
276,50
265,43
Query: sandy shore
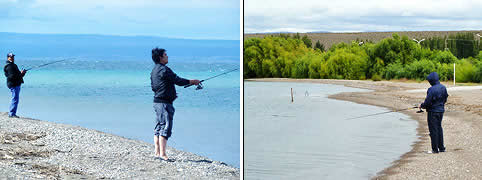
x,y
34,149
462,125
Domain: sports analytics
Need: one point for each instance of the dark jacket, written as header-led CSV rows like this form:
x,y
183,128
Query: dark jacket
x,y
162,83
14,76
436,95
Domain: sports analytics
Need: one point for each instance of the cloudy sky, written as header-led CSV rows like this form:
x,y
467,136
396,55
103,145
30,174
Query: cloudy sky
x,y
198,19
361,15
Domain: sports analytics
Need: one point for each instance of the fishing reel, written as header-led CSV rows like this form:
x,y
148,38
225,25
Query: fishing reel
x,y
419,109
199,86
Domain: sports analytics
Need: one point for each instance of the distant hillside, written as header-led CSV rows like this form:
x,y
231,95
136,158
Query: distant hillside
x,y
113,47
328,39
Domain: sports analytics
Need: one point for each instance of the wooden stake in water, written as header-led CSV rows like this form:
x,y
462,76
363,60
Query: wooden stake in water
x,y
291,94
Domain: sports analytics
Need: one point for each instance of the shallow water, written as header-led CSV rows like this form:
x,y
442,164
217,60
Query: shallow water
x,y
312,138
116,97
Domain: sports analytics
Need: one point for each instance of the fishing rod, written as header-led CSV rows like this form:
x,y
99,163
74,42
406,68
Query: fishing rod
x,y
397,110
200,86
53,62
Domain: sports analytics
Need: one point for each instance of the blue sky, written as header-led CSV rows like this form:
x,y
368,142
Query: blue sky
x,y
361,15
192,19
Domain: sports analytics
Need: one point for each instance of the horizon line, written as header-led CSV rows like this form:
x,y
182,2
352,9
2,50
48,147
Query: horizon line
x,y
154,36
273,32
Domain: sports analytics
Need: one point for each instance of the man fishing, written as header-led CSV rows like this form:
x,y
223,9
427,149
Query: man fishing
x,y
435,105
14,81
163,80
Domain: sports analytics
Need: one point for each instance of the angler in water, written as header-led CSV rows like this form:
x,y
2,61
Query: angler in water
x,y
163,80
14,81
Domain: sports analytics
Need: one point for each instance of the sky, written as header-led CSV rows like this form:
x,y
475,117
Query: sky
x,y
361,15
189,19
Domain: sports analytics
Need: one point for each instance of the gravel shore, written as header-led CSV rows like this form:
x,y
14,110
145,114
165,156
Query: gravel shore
x,y
462,124
35,149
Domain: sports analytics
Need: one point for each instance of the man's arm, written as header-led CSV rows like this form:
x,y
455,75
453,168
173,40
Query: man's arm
x,y
446,95
172,77
428,100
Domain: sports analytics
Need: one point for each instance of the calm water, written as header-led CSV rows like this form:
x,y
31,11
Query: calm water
x,y
115,97
312,138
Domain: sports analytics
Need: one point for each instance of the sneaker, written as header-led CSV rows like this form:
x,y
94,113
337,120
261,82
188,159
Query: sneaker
x,y
431,152
442,150
14,116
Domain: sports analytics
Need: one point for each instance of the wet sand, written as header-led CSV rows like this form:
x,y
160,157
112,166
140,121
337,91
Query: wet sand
x,y
462,124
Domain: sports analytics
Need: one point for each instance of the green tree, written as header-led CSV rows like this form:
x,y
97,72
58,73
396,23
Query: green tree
x,y
307,41
319,46
297,36
391,58
345,64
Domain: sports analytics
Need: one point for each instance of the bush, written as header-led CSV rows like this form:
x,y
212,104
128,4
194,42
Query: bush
x,y
445,71
376,77
394,71
344,64
444,57
464,71
420,69
391,58
315,66
478,73
301,67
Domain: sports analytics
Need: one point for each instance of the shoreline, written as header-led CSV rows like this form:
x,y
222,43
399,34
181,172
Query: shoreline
x,y
37,149
415,164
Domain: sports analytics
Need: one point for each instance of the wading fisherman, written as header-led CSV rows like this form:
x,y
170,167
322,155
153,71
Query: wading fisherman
x,y
14,81
163,80
435,105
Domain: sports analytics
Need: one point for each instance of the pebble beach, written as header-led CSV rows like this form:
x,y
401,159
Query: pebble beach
x,y
36,149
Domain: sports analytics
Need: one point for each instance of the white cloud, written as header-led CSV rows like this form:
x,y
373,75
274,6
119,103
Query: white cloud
x,y
167,18
76,4
343,15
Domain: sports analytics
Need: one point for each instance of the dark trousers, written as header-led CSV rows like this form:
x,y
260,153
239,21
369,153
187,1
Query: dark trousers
x,y
434,120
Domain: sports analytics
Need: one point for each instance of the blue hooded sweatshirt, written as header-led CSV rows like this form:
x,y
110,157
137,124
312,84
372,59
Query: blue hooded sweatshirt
x,y
436,95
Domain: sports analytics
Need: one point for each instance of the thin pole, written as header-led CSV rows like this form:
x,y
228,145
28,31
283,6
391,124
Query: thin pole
x,y
454,74
292,95
53,62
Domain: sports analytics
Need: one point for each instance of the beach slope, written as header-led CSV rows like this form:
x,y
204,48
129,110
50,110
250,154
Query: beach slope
x,y
35,149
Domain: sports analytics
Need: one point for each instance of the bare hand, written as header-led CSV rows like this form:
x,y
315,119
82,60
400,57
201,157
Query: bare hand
x,y
194,81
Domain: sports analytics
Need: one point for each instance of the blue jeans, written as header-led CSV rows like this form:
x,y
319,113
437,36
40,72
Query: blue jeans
x,y
13,105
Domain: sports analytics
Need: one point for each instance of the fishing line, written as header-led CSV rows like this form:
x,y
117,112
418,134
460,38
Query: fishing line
x,y
200,86
46,64
397,110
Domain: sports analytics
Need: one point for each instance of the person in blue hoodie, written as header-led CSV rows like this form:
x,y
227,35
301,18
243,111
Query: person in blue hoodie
x,y
435,105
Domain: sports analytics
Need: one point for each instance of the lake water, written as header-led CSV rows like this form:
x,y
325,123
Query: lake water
x,y
312,137
116,97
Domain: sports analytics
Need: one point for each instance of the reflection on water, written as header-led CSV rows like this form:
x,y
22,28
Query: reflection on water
x,y
312,138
